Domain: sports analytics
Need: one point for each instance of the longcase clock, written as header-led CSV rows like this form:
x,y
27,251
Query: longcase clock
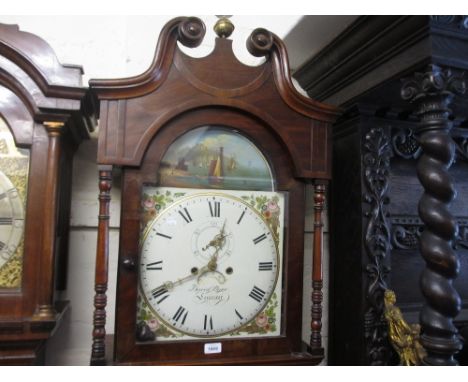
x,y
215,158
44,115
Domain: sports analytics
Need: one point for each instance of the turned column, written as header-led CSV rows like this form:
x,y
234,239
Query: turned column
x,y
433,92
45,308
317,274
98,351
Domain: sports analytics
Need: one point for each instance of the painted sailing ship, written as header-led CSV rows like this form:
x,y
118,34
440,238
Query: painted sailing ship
x,y
232,165
216,169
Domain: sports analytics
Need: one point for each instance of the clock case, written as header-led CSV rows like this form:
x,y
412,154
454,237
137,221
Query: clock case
x,y
142,115
50,113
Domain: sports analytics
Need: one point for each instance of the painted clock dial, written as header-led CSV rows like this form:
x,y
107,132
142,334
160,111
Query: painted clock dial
x,y
210,263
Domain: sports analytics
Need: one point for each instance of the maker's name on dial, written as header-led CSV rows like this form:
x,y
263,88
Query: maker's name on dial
x,y
213,295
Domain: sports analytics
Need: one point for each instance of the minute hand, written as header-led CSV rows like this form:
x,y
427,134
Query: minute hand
x,y
169,285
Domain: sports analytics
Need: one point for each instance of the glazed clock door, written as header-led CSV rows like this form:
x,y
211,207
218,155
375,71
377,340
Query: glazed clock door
x,y
211,258
14,169
210,266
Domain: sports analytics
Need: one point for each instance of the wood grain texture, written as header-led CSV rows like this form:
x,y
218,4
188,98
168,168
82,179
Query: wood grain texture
x,y
45,308
143,115
218,80
35,56
35,88
98,355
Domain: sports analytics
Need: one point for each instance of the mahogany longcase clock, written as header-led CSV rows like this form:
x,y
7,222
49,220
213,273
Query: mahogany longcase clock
x,y
44,115
215,158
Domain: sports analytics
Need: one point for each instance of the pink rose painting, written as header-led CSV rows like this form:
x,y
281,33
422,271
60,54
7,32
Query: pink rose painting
x,y
153,324
149,204
261,320
273,207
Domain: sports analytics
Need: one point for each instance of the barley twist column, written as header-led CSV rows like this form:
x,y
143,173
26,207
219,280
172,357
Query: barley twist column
x,y
433,92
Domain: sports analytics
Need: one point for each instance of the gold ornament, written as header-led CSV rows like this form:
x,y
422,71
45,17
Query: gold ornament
x,y
224,27
403,336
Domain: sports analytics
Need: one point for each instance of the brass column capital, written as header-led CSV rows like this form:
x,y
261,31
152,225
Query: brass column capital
x,y
53,128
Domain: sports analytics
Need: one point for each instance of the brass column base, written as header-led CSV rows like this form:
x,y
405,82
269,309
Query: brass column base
x,y
44,313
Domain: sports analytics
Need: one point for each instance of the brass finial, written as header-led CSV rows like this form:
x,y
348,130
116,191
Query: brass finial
x,y
224,27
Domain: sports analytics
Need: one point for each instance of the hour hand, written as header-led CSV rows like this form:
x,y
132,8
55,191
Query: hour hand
x,y
219,240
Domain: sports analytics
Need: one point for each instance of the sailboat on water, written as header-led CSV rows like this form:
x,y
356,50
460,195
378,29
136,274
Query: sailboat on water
x,y
232,165
216,170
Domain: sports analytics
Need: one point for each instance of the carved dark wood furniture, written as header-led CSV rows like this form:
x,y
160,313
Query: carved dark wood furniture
x,y
45,114
402,82
141,116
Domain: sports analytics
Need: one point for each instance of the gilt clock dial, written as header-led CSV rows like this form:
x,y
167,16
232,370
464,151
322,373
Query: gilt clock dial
x,y
11,219
14,169
211,263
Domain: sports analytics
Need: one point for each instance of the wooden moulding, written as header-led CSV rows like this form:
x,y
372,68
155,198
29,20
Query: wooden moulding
x,y
50,113
142,115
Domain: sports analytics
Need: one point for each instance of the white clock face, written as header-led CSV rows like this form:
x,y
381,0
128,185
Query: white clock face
x,y
209,264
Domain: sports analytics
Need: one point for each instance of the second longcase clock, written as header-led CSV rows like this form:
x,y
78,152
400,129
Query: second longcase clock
x,y
215,158
45,114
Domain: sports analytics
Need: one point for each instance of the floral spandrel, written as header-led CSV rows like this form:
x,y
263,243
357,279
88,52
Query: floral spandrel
x,y
269,209
153,203
145,316
264,323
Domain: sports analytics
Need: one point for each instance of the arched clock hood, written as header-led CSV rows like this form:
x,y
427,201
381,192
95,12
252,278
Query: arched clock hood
x,y
217,80
142,116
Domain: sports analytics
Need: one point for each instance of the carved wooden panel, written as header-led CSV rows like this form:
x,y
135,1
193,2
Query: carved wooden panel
x,y
378,70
